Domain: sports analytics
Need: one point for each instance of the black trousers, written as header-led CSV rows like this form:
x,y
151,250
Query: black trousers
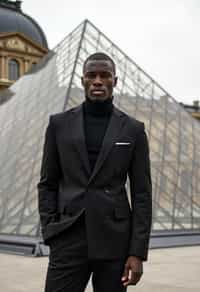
x,y
69,268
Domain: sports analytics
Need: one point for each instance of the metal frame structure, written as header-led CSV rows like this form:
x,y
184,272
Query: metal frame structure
x,y
54,86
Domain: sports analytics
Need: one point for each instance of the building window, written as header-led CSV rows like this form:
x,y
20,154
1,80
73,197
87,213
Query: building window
x,y
33,65
14,71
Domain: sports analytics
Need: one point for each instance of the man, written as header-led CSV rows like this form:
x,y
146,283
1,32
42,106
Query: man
x,y
85,214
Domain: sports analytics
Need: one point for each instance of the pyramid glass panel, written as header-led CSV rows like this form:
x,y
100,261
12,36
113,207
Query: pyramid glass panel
x,y
54,86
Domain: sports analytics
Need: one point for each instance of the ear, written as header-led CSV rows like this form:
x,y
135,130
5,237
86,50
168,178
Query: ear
x,y
115,81
82,81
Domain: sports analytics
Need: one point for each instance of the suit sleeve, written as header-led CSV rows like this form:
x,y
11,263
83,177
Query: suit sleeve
x,y
49,178
141,197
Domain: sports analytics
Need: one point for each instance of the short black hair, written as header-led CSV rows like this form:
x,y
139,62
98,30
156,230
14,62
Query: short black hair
x,y
99,56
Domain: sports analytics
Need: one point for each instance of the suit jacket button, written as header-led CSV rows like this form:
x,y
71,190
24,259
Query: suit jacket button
x,y
106,191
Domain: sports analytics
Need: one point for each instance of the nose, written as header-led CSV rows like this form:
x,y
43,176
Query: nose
x,y
97,80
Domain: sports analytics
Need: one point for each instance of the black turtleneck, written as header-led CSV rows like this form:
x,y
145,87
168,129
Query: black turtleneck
x,y
96,118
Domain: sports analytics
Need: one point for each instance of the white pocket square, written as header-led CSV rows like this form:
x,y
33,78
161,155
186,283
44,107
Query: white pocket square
x,y
122,143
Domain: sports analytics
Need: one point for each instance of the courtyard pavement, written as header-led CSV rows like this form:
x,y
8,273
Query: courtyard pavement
x,y
167,270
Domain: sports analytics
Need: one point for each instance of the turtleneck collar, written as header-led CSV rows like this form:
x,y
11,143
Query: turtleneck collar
x,y
98,108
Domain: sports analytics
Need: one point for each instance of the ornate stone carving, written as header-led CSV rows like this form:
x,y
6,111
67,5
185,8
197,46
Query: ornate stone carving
x,y
31,50
15,43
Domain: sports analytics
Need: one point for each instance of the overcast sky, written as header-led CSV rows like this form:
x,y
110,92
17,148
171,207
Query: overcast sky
x,y
161,36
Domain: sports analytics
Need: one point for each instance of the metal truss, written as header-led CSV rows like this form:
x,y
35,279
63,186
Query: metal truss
x,y
54,86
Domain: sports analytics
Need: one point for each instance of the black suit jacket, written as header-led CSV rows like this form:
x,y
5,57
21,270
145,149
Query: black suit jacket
x,y
68,188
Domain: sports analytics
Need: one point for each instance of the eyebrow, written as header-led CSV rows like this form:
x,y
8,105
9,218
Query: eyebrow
x,y
108,73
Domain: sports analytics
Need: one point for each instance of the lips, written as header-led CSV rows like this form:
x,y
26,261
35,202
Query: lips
x,y
98,92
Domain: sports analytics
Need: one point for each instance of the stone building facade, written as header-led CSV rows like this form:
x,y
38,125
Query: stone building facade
x,y
22,43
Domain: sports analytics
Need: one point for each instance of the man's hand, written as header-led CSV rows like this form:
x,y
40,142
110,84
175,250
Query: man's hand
x,y
133,271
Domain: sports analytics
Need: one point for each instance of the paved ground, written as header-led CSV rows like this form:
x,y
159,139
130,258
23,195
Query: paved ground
x,y
168,270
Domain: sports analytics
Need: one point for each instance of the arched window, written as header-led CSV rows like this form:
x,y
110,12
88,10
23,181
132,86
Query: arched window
x,y
14,71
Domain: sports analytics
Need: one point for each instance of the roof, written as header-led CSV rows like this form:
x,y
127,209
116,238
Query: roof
x,y
12,19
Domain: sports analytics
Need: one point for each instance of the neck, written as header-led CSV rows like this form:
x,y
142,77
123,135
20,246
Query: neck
x,y
98,108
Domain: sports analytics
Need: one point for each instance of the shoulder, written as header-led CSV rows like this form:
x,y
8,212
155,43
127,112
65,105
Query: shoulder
x,y
131,121
61,117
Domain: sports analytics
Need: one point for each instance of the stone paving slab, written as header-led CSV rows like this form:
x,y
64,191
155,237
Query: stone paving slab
x,y
168,270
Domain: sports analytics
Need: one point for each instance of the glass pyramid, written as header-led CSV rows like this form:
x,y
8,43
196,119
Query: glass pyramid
x,y
54,86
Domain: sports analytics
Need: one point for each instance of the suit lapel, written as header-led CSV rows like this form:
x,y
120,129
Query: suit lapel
x,y
78,136
113,130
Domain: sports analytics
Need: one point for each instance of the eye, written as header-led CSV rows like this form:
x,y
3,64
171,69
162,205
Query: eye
x,y
105,75
90,75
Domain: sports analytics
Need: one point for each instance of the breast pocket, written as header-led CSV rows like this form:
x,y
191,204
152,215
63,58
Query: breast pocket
x,y
122,147
122,151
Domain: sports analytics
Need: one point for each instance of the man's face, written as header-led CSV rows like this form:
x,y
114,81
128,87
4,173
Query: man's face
x,y
98,79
